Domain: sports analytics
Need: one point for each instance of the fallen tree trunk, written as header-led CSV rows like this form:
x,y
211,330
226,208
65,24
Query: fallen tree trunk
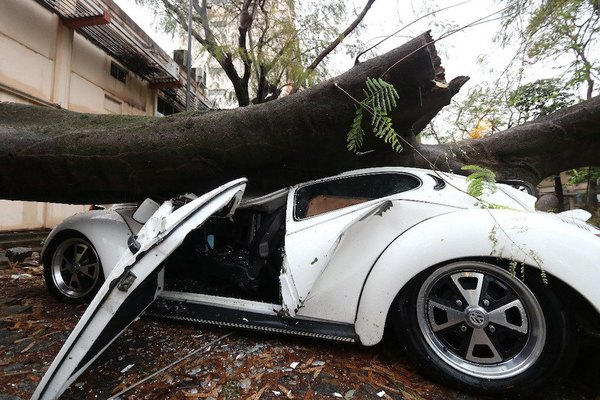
x,y
564,140
60,156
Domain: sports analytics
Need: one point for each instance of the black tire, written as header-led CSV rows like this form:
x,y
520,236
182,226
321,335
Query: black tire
x,y
72,268
473,326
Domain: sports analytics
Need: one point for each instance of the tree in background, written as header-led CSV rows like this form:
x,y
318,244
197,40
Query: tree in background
x,y
549,35
265,47
482,112
553,29
539,98
590,176
563,31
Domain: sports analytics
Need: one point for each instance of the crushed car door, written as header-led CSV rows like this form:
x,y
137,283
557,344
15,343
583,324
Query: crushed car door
x,y
309,246
318,215
133,284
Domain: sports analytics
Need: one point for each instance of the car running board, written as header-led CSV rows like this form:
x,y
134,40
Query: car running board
x,y
184,310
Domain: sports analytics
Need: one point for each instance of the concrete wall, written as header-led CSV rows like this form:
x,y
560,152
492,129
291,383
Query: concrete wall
x,y
20,215
44,63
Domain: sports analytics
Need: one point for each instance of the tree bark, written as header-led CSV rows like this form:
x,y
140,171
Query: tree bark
x,y
61,156
566,139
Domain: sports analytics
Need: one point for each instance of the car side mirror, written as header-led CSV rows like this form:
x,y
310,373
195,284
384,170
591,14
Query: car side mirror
x,y
144,211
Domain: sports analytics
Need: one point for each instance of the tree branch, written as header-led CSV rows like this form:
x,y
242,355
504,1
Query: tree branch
x,y
245,24
181,18
225,59
340,38
561,141
211,45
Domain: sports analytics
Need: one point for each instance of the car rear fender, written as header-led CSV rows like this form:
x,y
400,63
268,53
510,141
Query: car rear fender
x,y
564,251
106,229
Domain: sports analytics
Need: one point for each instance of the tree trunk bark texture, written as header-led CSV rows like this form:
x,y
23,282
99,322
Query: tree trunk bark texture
x,y
61,156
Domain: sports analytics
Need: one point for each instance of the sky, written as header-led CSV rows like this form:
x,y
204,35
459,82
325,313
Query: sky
x,y
459,52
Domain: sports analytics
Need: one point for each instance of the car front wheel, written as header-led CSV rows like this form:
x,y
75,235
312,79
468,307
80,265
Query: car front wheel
x,y
475,326
72,268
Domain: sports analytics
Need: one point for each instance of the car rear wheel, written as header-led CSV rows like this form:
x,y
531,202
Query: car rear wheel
x,y
72,268
475,326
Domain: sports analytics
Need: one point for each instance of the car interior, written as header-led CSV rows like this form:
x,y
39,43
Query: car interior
x,y
241,256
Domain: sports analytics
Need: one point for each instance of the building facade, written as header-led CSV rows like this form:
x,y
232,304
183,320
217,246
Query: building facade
x,y
273,24
85,56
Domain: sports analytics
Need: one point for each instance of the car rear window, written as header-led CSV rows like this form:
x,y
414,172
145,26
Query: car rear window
x,y
322,197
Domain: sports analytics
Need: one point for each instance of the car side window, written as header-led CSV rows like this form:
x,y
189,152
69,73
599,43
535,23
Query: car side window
x,y
338,193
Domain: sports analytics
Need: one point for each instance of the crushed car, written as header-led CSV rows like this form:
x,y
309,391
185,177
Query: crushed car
x,y
487,299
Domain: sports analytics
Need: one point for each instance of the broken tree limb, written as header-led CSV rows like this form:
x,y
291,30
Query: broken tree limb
x,y
564,140
61,156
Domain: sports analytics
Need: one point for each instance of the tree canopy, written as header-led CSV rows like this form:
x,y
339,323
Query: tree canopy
x,y
564,30
553,64
265,47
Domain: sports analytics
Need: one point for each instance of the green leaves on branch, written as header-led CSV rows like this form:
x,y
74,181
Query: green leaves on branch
x,y
357,133
479,180
565,31
380,100
539,98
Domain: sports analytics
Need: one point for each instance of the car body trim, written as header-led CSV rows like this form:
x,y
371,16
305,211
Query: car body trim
x,y
191,311
227,302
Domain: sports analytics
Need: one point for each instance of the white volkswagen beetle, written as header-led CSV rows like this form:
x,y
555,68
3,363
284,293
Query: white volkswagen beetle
x,y
490,300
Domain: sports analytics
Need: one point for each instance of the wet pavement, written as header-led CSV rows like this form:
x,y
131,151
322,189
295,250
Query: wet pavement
x,y
243,365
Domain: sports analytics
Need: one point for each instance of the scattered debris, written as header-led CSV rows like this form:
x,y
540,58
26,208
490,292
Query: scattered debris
x,y
18,254
248,366
127,368
29,346
17,309
245,384
207,346
21,276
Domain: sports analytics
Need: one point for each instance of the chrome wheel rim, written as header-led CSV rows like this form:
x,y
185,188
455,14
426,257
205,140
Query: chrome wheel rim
x,y
75,268
480,320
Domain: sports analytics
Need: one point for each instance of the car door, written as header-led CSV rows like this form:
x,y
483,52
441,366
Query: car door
x,y
132,285
318,215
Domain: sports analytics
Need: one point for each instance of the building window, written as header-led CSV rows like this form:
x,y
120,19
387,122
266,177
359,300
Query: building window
x,y
118,72
164,108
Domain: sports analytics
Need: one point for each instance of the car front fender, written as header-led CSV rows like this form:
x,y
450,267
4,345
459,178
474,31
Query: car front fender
x,y
564,251
105,229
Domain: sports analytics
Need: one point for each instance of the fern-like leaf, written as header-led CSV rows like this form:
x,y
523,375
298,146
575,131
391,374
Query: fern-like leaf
x,y
380,100
479,180
355,136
